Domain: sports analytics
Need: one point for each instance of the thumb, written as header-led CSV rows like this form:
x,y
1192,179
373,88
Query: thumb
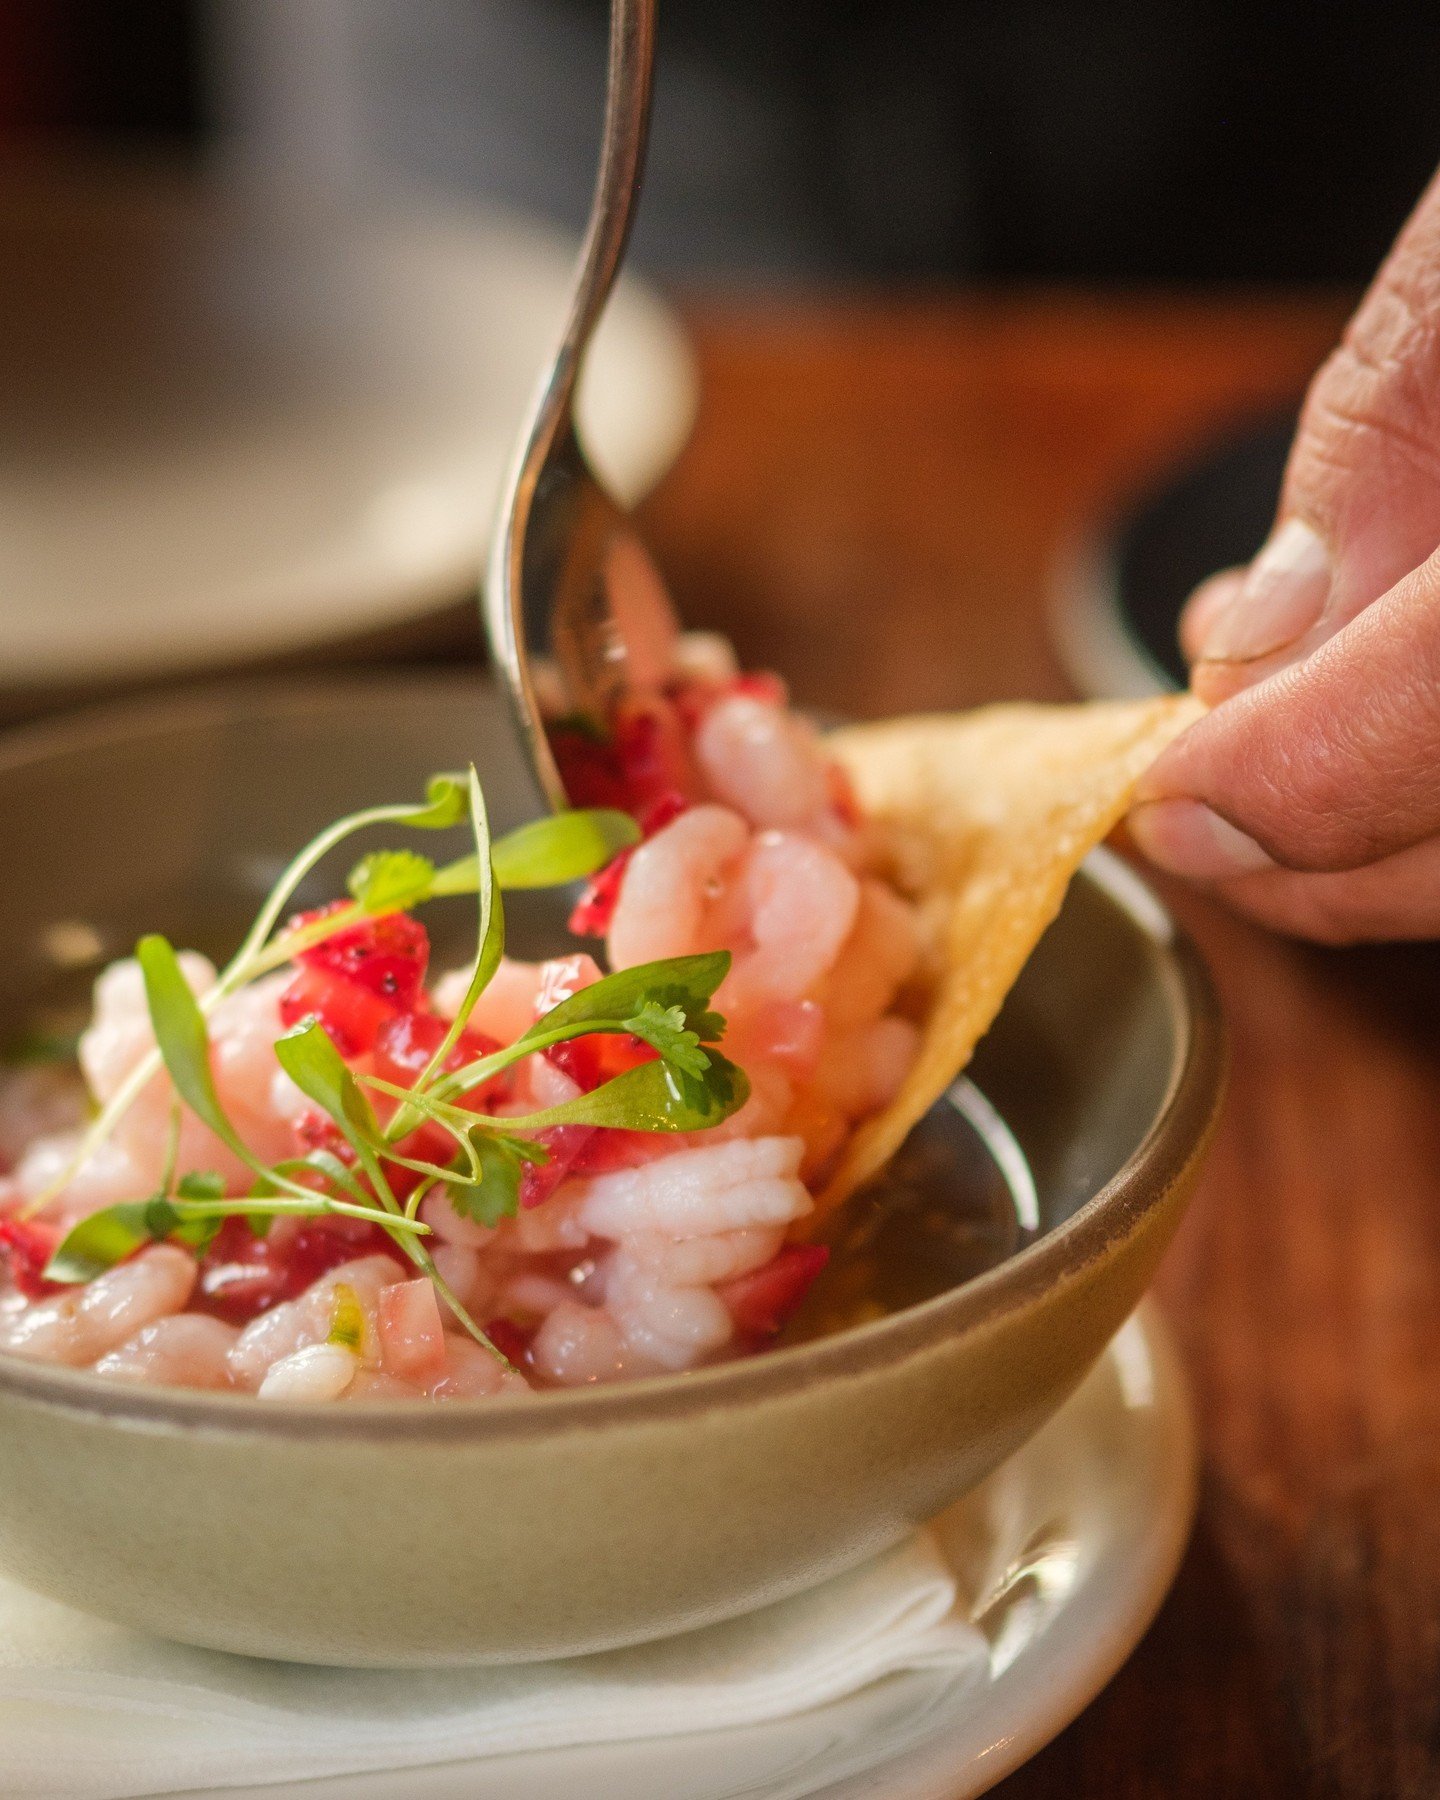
x,y
1360,506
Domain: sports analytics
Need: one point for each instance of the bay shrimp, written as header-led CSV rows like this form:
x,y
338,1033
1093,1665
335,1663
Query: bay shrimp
x,y
802,902
670,881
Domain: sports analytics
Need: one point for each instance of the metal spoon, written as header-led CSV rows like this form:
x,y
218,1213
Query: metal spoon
x,y
558,528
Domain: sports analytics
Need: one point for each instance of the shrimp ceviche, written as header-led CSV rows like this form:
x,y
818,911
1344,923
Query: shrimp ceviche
x,y
326,1173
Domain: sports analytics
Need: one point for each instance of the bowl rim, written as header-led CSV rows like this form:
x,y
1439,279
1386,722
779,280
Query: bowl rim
x,y
1175,1137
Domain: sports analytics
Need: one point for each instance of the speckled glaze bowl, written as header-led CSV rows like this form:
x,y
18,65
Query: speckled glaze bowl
x,y
401,1534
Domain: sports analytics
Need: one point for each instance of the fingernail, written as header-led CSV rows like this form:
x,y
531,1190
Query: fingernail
x,y
1282,596
1187,838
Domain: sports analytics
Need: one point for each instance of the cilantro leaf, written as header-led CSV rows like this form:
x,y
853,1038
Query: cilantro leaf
x,y
665,1029
497,1195
391,880
683,982
653,1097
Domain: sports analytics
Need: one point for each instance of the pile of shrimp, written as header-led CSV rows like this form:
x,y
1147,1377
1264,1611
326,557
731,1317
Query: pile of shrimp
x,y
636,1270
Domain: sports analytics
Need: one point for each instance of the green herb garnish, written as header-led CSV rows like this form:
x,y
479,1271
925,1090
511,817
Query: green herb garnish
x,y
687,1087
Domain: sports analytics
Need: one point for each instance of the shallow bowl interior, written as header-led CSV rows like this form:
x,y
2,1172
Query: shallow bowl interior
x,y
624,1513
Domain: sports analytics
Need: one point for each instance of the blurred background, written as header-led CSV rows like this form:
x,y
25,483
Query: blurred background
x,y
819,140
919,149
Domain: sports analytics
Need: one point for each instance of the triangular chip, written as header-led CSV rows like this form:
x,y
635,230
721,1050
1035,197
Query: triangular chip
x,y
985,817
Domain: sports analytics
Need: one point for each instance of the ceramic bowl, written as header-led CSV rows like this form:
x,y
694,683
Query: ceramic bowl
x,y
401,1534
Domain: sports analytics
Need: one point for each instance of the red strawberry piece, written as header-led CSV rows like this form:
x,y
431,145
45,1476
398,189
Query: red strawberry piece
x,y
591,1061
28,1247
242,1276
614,1148
653,747
758,684
601,1055
387,955
595,908
843,802
656,814
405,1044
350,1013
560,979
566,1143
589,767
403,1048
510,1339
762,1301
315,1130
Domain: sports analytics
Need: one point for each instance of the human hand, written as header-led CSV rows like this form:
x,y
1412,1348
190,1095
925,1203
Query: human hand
x,y
1310,796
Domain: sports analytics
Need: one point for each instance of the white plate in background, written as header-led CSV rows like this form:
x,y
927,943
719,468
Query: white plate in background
x,y
235,426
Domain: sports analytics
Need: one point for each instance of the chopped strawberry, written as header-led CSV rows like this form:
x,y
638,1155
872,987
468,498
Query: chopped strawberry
x,y
762,1301
566,1144
652,744
602,1055
654,815
353,982
595,908
242,1276
412,1334
589,767
693,698
592,1061
318,1131
758,684
560,979
28,1247
403,1048
430,1143
843,802
510,1339
612,1147
404,1045
387,955
352,1014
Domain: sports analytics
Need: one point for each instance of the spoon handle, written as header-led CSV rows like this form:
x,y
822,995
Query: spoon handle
x,y
617,185
546,552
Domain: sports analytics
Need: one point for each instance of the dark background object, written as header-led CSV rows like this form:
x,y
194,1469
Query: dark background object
x,y
89,69
1112,141
1214,513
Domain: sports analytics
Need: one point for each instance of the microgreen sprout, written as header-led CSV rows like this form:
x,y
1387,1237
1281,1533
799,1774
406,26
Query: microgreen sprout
x,y
686,1084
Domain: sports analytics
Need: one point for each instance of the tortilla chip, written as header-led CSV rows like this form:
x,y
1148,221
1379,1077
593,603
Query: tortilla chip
x,y
984,818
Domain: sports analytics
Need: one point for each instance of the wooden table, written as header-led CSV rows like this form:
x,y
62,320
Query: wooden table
x,y
871,503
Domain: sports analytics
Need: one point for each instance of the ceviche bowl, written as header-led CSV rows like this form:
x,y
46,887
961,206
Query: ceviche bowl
x,y
557,1523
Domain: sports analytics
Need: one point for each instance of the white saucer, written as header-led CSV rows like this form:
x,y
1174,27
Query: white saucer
x,y
1071,1547
231,428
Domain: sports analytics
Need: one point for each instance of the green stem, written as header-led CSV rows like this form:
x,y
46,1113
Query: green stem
x,y
284,1207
